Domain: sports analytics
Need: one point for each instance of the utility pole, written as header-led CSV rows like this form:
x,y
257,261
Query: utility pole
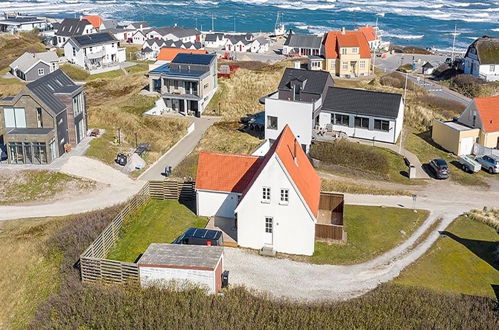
x,y
402,130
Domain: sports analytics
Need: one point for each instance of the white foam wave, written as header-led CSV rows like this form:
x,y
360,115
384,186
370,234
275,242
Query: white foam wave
x,y
404,36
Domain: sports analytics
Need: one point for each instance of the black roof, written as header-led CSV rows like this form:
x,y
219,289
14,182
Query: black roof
x,y
48,86
213,36
314,82
72,27
200,59
362,102
31,131
94,39
303,41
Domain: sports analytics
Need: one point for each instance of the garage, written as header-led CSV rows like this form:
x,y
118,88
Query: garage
x,y
454,136
194,264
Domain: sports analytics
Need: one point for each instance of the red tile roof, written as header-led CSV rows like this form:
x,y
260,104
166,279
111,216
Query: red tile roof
x,y
488,109
368,32
95,20
336,40
168,54
225,172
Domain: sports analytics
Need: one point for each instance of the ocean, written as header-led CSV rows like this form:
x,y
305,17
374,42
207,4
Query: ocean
x,y
424,23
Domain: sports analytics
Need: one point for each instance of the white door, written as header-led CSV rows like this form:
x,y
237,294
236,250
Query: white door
x,y
53,152
466,146
269,231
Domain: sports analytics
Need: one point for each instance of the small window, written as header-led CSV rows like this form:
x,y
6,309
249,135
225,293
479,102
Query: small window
x,y
343,51
284,196
492,68
342,120
271,122
345,65
266,194
362,64
355,50
381,125
362,122
41,72
269,225
175,84
39,117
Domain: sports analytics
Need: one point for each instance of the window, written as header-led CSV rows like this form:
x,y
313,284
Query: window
x,y
41,72
362,122
78,104
381,125
39,117
271,122
345,65
175,84
266,194
355,50
362,64
343,51
284,196
492,68
342,120
268,225
14,117
333,66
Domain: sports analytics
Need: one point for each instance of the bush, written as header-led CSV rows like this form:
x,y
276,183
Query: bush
x,y
405,68
350,155
467,85
445,107
397,80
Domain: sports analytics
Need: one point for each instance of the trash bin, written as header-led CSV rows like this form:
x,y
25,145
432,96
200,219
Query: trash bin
x,y
412,172
225,279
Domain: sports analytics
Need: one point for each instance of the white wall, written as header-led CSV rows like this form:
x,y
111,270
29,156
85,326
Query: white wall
x,y
298,115
150,276
214,203
294,228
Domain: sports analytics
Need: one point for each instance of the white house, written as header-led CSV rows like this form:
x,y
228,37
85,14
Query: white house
x,y
482,59
296,103
72,27
214,40
239,43
19,23
94,51
363,114
260,45
139,36
275,198
174,33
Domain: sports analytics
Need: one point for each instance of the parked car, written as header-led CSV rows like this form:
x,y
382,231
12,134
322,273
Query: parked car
x,y
489,163
469,164
200,236
440,168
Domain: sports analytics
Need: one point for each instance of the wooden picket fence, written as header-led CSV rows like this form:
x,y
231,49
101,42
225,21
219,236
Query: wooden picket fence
x,y
94,266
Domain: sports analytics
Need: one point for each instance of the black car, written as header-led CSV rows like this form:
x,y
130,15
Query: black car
x,y
199,236
440,168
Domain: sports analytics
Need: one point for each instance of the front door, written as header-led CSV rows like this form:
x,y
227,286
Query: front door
x,y
269,231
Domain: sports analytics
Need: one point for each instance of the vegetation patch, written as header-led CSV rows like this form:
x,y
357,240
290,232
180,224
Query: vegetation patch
x,y
463,260
75,72
446,109
14,45
489,217
473,87
363,189
156,222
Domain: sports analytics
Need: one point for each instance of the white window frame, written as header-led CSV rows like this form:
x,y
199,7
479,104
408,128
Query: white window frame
x,y
41,71
269,225
284,196
276,123
492,68
266,195
343,51
362,64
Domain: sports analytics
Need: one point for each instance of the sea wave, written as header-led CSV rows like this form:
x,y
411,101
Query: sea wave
x,y
404,36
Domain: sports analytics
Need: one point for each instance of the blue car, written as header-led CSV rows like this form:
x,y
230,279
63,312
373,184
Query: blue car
x,y
489,163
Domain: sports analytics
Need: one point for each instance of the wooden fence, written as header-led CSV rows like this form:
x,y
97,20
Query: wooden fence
x,y
93,263
329,225
330,233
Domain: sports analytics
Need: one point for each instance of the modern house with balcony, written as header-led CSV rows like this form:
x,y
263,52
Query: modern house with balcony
x,y
187,84
43,121
95,52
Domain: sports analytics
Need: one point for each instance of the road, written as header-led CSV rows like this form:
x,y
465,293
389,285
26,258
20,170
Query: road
x,y
439,90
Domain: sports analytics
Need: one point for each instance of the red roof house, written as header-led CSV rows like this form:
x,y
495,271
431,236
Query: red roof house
x,y
95,20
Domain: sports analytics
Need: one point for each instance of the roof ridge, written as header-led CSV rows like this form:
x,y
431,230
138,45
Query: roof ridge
x,y
229,154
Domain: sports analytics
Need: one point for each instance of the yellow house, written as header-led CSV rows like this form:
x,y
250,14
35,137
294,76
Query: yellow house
x,y
479,123
346,54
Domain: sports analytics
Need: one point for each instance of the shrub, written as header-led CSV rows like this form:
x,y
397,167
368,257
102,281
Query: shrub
x,y
405,68
350,155
445,107
397,80
490,217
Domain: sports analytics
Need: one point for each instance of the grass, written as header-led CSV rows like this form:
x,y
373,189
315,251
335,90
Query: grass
x,y
13,46
425,149
221,137
106,75
362,189
31,186
489,217
75,72
461,261
371,231
156,222
140,67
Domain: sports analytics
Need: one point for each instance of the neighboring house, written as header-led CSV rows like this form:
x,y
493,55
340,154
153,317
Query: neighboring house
x,y
109,24
32,66
187,84
43,120
371,33
141,25
20,23
174,33
296,104
482,59
214,40
239,43
363,114
302,45
275,198
346,54
154,45
72,27
428,68
94,51
479,123
260,45
139,36
119,33
95,20
166,55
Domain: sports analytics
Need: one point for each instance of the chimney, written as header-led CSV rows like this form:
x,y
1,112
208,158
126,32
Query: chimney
x,y
140,27
297,65
343,30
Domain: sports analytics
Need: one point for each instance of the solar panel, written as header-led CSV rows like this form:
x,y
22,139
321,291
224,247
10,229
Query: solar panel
x,y
95,38
185,58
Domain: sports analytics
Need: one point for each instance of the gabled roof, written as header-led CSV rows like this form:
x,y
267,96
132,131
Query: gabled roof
x,y
487,49
337,39
245,39
72,27
136,25
27,60
192,57
168,54
109,24
48,86
369,32
314,82
362,102
303,41
225,172
262,40
488,109
213,36
95,20
178,31
88,40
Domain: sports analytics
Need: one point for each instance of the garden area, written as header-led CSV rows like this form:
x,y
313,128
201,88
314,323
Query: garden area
x,y
159,221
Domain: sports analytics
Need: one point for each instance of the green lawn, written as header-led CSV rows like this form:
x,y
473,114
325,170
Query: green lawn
x,y
104,148
371,231
157,222
460,262
106,75
422,146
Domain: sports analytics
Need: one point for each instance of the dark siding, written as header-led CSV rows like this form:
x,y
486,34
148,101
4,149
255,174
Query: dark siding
x,y
62,131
